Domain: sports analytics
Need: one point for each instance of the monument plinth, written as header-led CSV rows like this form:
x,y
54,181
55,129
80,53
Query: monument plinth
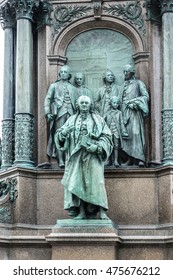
x,y
84,239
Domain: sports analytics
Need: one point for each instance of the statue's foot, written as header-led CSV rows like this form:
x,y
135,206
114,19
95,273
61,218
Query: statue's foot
x,y
81,216
141,164
103,215
72,213
116,164
61,164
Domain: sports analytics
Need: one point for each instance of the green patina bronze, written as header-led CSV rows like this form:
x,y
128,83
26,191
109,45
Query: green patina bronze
x,y
79,83
86,140
114,120
59,105
134,107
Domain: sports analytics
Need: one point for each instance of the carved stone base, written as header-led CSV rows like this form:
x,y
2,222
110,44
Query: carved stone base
x,y
84,239
140,201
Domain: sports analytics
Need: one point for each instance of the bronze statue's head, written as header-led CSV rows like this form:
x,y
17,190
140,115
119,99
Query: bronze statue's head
x,y
108,77
65,73
79,79
84,103
129,72
115,102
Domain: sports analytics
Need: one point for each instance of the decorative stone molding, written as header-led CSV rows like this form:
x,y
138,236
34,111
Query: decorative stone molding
x,y
64,15
113,23
24,139
8,196
38,11
8,15
7,143
166,6
167,132
153,10
43,14
25,9
57,60
131,12
141,57
97,7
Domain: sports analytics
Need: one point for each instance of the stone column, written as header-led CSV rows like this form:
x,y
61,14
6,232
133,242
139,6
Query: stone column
x,y
167,111
24,119
8,21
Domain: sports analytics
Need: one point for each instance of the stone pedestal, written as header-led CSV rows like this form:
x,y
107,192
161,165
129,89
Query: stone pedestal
x,y
84,240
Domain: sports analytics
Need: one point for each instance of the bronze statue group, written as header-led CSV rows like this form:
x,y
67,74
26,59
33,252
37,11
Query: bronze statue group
x,y
89,131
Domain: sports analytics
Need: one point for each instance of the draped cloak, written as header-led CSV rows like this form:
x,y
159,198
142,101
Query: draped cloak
x,y
84,172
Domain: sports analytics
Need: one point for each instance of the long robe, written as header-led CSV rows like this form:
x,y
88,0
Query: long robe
x,y
134,92
84,172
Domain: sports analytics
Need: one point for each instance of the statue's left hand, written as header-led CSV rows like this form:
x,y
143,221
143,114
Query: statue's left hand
x,y
131,106
92,148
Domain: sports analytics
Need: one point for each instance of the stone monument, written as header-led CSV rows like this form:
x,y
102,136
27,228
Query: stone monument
x,y
89,37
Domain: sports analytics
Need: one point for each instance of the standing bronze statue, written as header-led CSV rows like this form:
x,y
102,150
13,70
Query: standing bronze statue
x,y
106,92
134,109
115,122
60,104
86,139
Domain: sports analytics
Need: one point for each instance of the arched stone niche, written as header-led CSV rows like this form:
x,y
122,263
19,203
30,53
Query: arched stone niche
x,y
94,51
132,42
132,50
73,46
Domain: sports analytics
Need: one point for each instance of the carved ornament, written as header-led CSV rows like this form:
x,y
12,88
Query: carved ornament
x,y
43,14
64,15
7,142
8,15
8,196
97,7
153,10
25,9
132,12
167,124
166,6
24,138
37,11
